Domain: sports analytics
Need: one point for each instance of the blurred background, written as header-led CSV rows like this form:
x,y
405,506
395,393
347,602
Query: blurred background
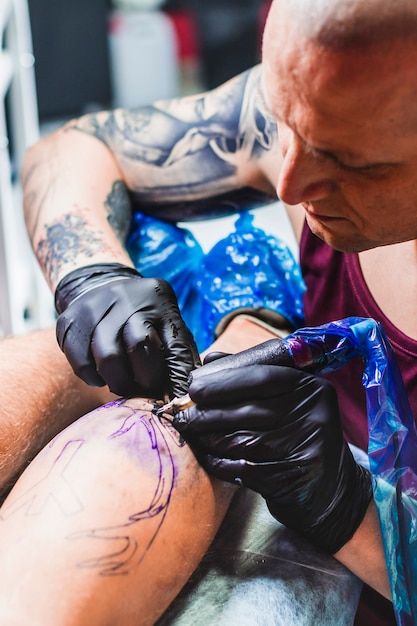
x,y
60,59
98,53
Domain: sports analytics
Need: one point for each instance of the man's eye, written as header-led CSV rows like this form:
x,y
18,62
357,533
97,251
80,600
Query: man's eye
x,y
370,168
374,170
356,168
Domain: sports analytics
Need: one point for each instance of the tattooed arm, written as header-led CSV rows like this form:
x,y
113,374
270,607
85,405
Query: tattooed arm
x,y
172,157
77,209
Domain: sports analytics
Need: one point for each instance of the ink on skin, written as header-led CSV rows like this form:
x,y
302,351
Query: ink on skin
x,y
117,205
65,239
202,134
120,562
62,494
117,546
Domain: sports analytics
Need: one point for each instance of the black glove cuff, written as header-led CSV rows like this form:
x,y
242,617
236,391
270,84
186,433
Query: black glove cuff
x,y
339,522
85,278
342,523
271,320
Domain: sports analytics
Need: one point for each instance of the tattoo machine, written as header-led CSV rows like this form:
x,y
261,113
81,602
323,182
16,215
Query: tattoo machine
x,y
292,351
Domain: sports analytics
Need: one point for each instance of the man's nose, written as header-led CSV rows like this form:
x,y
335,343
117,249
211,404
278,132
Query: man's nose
x,y
304,177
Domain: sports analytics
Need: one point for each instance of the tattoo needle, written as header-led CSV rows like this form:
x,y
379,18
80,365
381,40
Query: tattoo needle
x,y
177,404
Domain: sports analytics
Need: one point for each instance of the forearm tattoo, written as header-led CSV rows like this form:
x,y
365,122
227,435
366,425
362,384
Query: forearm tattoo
x,y
66,239
72,235
179,160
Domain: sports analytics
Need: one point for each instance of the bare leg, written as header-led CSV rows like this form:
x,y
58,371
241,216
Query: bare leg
x,y
109,520
107,524
39,396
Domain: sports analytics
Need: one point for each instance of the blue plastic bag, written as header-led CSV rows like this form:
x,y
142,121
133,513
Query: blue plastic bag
x,y
392,446
248,268
163,250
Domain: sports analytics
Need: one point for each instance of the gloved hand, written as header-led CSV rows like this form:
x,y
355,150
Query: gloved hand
x,y
277,430
117,328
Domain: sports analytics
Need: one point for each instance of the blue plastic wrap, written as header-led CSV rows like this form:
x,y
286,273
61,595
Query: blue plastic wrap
x,y
162,250
392,447
248,268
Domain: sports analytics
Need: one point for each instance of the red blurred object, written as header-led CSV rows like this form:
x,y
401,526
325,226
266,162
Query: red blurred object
x,y
186,32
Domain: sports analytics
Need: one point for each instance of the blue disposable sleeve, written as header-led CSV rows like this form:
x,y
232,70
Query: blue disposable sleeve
x,y
392,446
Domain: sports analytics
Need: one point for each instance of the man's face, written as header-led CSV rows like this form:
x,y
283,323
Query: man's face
x,y
347,125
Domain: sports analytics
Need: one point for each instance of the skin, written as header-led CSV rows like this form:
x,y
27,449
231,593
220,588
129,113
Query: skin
x,y
101,545
54,398
177,152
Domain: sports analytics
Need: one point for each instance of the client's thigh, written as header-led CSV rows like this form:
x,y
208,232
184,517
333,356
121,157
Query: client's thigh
x,y
107,523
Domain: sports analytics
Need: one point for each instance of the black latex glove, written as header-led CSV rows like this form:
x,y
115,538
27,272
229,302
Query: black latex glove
x,y
117,328
277,430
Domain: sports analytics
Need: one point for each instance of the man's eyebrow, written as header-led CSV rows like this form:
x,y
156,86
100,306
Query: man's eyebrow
x,y
343,157
331,154
335,155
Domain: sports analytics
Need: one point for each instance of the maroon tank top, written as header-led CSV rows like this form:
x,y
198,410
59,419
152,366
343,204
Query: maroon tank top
x,y
336,289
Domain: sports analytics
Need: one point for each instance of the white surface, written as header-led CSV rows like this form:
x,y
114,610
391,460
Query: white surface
x,y
143,58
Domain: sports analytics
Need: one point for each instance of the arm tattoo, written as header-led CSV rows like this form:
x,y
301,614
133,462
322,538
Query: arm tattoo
x,y
118,207
65,240
188,149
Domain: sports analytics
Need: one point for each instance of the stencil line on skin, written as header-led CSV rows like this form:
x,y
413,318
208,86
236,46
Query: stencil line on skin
x,y
62,493
119,562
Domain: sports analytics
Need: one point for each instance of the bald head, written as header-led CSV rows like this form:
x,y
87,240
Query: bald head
x,y
350,24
